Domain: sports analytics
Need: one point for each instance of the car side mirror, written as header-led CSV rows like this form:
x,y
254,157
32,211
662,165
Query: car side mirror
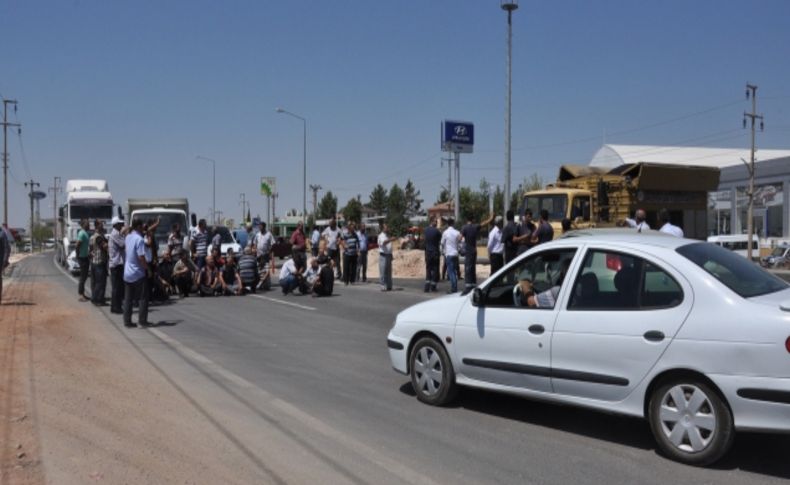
x,y
478,298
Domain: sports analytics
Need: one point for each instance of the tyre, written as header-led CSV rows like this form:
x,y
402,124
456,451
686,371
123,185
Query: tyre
x,y
432,375
691,423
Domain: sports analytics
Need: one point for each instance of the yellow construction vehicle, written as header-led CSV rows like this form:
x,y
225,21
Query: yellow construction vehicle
x,y
599,197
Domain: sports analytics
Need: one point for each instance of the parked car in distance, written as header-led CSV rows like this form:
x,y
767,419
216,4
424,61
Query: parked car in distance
x,y
737,243
779,257
685,334
281,247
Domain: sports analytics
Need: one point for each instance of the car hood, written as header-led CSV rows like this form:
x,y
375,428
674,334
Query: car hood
x,y
439,310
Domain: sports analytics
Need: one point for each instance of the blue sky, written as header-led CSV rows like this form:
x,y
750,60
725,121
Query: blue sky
x,y
132,92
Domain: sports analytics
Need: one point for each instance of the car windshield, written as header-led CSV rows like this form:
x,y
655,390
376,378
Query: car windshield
x,y
166,221
778,251
91,212
732,270
555,204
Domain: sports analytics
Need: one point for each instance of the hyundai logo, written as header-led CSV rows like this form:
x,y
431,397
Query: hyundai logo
x,y
460,130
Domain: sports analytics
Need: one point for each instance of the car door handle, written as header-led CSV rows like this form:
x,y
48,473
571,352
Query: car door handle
x,y
536,329
654,336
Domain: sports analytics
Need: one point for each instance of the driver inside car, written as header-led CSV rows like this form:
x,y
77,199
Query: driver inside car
x,y
524,294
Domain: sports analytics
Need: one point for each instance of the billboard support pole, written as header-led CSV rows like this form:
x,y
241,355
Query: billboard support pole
x,y
457,186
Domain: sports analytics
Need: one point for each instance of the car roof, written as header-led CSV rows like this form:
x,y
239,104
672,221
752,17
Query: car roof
x,y
628,236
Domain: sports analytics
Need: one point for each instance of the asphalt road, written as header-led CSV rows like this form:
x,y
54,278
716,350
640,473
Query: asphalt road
x,y
304,387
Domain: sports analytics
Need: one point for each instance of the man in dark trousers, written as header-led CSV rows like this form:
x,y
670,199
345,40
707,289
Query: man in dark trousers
x,y
117,253
433,239
470,233
135,276
509,232
83,256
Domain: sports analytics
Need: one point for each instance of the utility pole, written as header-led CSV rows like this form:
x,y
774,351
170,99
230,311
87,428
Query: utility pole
x,y
457,186
274,213
243,207
315,188
751,90
509,6
54,190
6,124
32,184
449,161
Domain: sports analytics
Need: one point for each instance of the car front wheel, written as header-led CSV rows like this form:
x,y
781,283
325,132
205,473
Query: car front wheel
x,y
690,422
432,373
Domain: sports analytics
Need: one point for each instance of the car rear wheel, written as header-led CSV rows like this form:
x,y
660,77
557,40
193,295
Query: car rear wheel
x,y
690,422
432,373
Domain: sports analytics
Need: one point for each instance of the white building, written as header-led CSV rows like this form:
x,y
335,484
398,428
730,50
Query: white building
x,y
728,205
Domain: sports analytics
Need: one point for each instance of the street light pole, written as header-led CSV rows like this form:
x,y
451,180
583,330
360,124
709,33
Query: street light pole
x,y
213,187
304,161
509,6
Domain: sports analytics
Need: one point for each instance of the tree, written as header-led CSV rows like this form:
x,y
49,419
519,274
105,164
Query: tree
x,y
327,207
41,233
474,205
396,210
352,212
413,200
444,196
533,182
378,199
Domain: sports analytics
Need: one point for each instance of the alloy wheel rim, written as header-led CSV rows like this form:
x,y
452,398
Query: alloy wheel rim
x,y
428,371
688,418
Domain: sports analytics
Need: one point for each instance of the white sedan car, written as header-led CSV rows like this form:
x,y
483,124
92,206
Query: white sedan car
x,y
687,334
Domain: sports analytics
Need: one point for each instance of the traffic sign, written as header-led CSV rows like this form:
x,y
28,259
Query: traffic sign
x,y
38,195
458,136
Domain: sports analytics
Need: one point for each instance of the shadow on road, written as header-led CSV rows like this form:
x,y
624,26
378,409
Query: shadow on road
x,y
764,454
166,323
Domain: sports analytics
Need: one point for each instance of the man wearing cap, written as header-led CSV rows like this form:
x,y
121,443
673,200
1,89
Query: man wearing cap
x,y
116,245
496,247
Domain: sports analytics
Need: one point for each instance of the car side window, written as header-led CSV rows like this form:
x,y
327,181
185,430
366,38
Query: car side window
x,y
616,281
533,282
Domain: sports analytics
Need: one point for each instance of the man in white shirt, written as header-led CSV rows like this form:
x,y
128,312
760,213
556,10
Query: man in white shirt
x,y
290,276
263,242
331,235
385,257
496,247
315,238
666,226
639,222
450,240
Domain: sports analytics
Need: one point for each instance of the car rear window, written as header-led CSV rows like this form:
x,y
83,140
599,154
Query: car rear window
x,y
732,270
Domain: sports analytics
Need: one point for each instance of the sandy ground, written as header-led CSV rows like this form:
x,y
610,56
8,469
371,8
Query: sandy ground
x,y
78,404
411,264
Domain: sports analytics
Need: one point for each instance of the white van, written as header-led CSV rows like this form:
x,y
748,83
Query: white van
x,y
738,243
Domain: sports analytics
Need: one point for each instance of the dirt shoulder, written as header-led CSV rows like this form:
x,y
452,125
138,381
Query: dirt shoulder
x,y
79,403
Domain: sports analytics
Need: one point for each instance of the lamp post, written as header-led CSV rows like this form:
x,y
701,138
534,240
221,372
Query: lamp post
x,y
213,187
509,6
304,161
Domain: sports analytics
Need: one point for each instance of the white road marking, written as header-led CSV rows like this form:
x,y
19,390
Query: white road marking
x,y
283,302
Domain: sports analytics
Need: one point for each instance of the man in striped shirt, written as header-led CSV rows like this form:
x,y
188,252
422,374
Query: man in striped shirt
x,y
200,244
350,245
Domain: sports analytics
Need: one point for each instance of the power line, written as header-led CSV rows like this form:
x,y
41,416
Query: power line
x,y
392,175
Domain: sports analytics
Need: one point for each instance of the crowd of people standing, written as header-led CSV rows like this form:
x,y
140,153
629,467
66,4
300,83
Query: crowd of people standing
x,y
140,272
